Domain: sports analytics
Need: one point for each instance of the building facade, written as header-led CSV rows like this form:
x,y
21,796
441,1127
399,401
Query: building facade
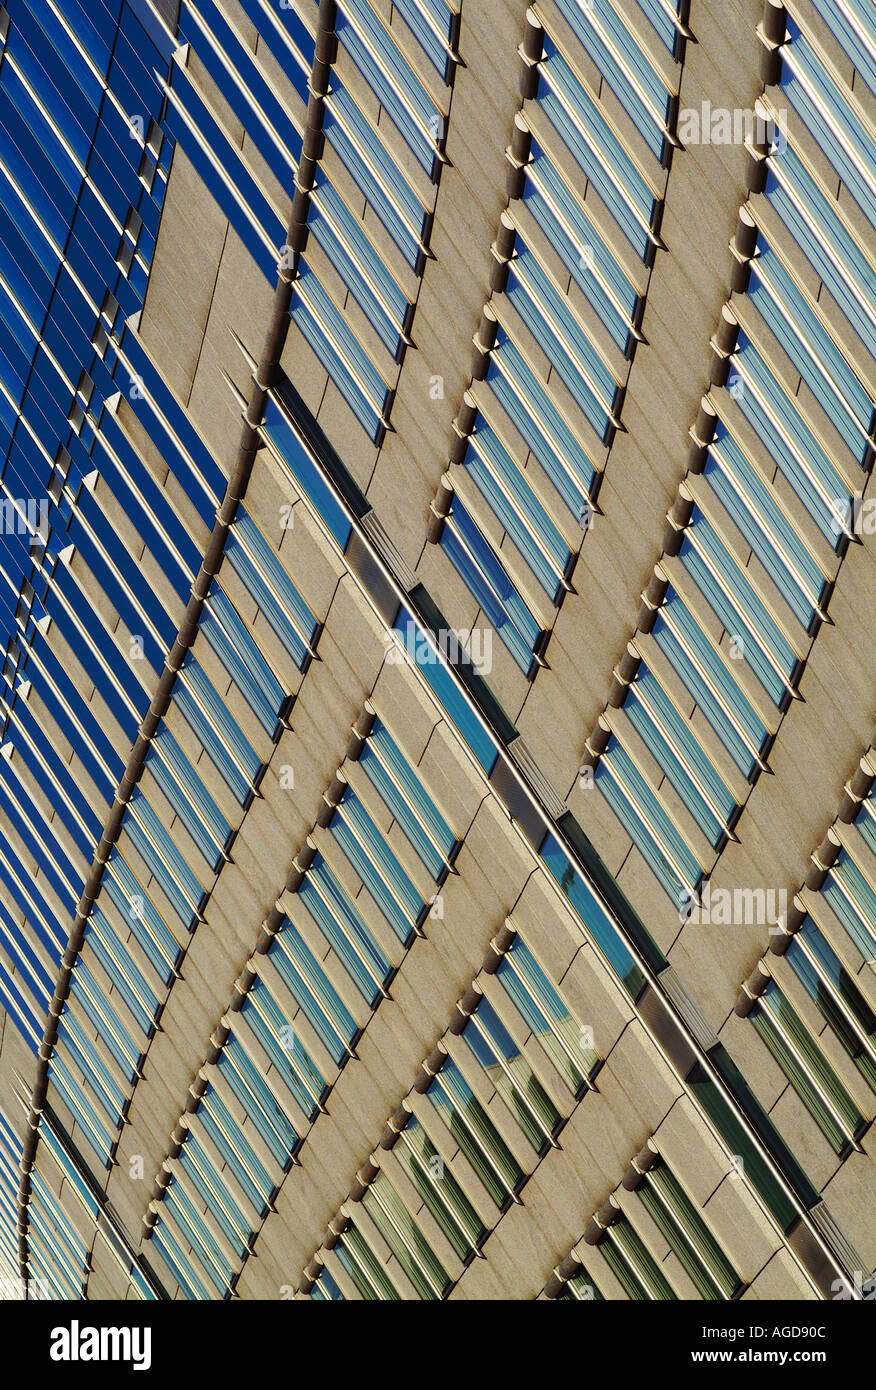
x,y
437,796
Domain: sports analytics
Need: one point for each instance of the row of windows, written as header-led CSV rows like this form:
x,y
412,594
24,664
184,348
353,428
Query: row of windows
x,y
778,484
465,1147
44,193
249,555
61,1237
175,884
835,979
10,1159
178,873
628,1245
484,733
326,967
391,78
381,290
469,712
133,968
633,76
38,262
572,299
81,190
813,1078
853,25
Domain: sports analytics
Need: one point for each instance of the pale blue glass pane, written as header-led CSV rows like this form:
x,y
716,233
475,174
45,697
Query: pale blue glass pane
x,y
158,943
592,914
867,826
81,1051
547,315
399,209
397,110
860,919
178,1264
663,25
761,500
235,1149
255,1095
116,959
442,20
342,355
600,154
484,575
618,40
326,1288
360,267
251,558
290,1058
242,658
361,836
541,425
831,484
708,660
188,796
638,801
823,114
769,271
198,1234
571,247
744,602
847,31
319,1000
98,1136
164,861
86,988
235,1226
219,733
691,752
479,741
854,269
427,811
353,928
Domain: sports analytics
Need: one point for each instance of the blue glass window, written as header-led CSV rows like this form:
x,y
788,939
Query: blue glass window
x,y
339,351
485,576
268,584
506,489
358,146
188,796
536,417
555,328
310,987
164,861
401,789
628,70
812,350
343,928
344,242
307,477
391,78
220,734
604,161
735,602
593,916
377,866
647,823
675,748
701,669
242,658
